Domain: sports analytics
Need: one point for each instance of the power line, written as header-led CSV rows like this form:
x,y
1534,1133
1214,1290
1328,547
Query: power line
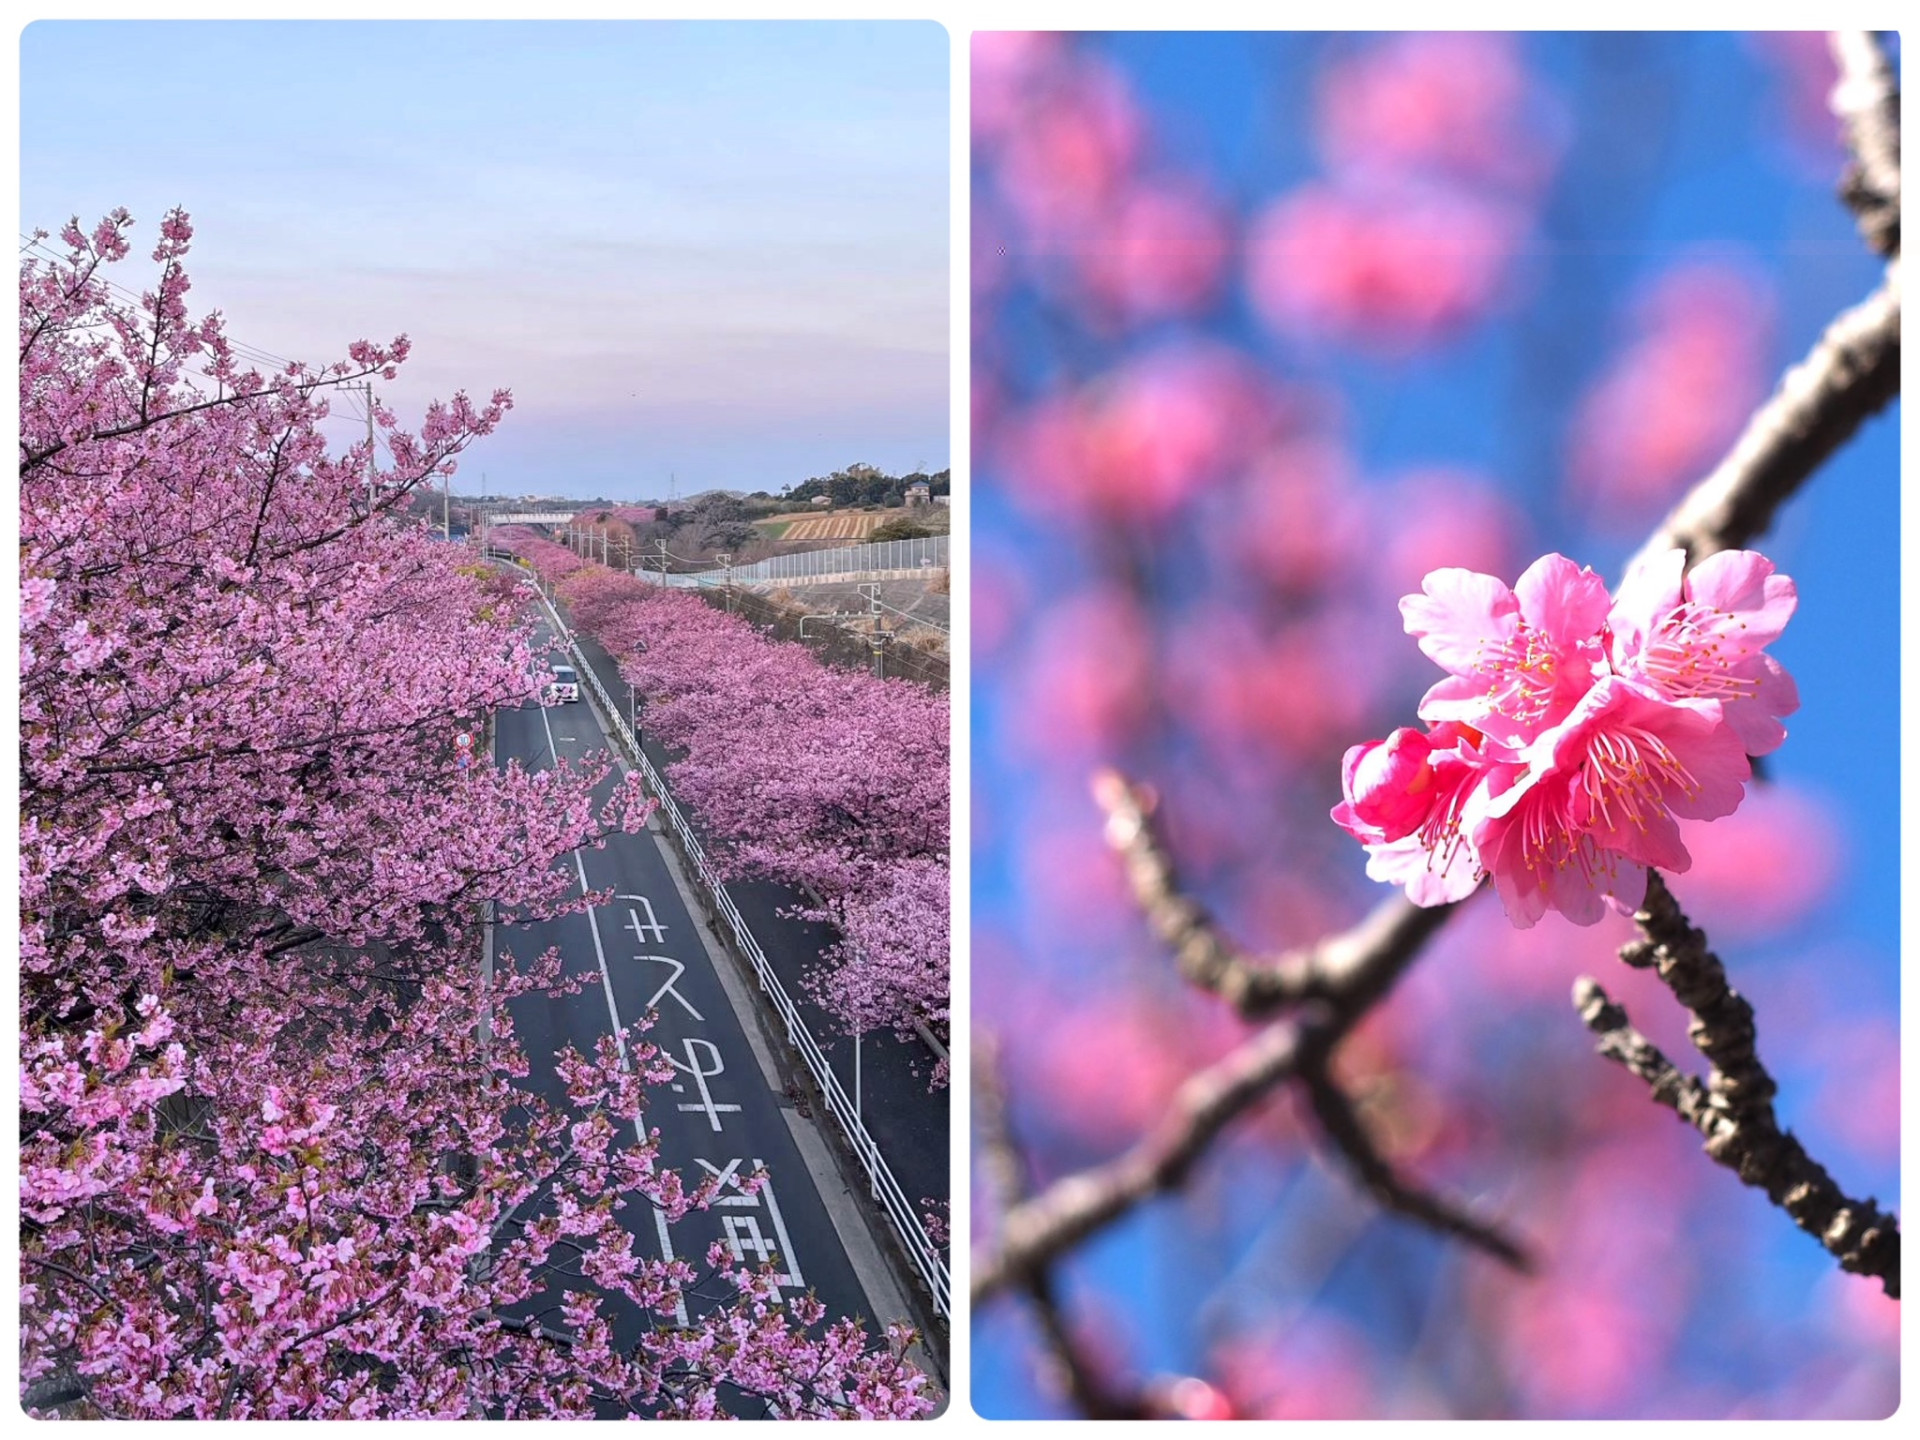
x,y
255,354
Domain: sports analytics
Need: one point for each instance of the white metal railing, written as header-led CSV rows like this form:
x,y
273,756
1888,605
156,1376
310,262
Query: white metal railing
x,y
907,1223
926,554
929,553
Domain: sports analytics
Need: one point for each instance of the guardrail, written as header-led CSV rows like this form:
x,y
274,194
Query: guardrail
x,y
926,1256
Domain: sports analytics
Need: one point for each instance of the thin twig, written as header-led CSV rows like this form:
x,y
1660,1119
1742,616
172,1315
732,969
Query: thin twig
x,y
1734,1108
1256,987
1867,100
1004,1167
1340,1119
1672,1087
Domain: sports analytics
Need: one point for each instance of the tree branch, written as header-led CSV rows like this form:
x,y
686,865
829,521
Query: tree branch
x,y
1850,375
1036,1230
1867,100
1254,986
1734,1108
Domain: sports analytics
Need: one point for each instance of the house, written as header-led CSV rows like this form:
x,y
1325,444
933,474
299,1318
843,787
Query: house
x,y
821,502
919,493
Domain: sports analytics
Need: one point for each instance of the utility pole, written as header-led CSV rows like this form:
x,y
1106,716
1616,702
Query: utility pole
x,y
368,388
446,509
727,561
663,560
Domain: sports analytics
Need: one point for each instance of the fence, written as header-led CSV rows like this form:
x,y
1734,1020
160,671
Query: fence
x,y
834,643
912,1232
842,562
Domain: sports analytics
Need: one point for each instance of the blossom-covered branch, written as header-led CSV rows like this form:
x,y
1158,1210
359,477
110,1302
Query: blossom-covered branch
x,y
1733,1108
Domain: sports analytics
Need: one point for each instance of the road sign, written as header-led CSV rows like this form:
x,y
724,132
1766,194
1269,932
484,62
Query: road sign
x,y
462,741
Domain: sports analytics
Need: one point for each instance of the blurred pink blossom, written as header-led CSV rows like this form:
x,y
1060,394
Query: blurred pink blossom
x,y
1666,407
1007,66
1461,104
1428,518
1109,1063
1000,600
1084,680
1298,691
1158,252
1390,268
1143,438
1763,868
1074,134
1318,1368
1300,520
1803,68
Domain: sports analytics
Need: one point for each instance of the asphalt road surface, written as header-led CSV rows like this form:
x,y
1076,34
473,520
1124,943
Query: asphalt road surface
x,y
906,1117
725,1113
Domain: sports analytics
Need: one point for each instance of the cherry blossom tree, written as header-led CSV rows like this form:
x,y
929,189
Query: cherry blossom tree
x,y
830,781
278,1156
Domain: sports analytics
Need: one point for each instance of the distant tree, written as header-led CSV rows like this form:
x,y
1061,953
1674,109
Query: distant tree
x,y
900,528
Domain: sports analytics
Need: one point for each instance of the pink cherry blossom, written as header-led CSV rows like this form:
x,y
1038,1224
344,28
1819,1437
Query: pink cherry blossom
x,y
1462,104
1670,402
1573,731
1410,801
1390,268
1519,659
1699,635
1599,798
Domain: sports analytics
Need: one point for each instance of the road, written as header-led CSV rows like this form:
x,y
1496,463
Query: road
x,y
726,1112
906,1117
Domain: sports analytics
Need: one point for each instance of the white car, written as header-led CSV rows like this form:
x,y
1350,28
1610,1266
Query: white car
x,y
564,686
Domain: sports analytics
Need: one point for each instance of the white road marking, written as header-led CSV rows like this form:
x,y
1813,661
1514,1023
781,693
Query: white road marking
x,y
700,1073
724,1178
619,1040
652,929
667,989
780,1229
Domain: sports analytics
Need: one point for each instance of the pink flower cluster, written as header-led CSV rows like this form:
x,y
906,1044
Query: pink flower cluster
x,y
1572,730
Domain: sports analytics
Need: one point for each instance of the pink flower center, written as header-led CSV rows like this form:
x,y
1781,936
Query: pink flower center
x,y
1525,666
1627,774
1548,842
1689,657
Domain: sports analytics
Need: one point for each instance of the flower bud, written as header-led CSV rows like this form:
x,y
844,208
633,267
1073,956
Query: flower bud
x,y
1389,783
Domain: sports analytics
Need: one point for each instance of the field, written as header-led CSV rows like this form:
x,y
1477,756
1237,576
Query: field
x,y
848,526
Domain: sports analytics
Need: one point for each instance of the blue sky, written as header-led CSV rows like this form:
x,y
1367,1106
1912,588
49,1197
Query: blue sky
x,y
715,250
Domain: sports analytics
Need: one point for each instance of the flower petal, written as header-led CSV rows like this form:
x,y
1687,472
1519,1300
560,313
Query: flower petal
x,y
1456,612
